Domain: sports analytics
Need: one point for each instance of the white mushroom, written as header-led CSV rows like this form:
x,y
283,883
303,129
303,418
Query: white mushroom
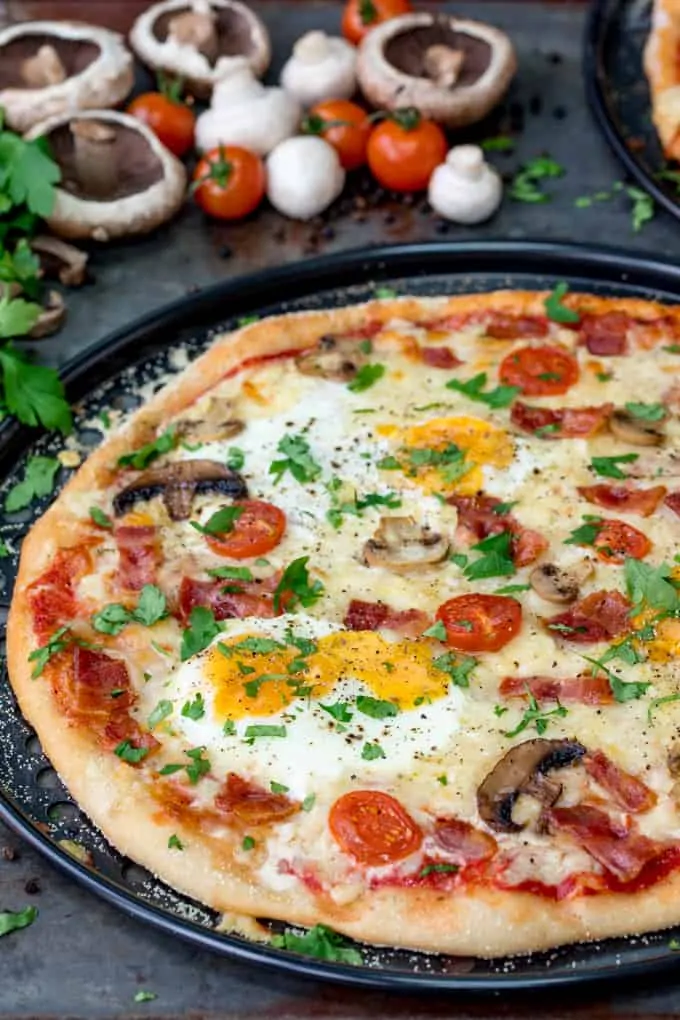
x,y
321,67
560,585
57,258
400,544
636,431
51,67
337,358
244,112
304,176
201,41
465,189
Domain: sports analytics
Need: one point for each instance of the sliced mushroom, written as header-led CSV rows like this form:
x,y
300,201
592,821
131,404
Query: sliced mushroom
x,y
450,69
209,422
53,67
118,179
559,584
51,318
201,41
57,258
636,431
333,358
523,770
178,483
400,544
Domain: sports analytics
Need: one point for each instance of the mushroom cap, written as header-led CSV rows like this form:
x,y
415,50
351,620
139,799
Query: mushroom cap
x,y
392,66
99,70
150,187
242,40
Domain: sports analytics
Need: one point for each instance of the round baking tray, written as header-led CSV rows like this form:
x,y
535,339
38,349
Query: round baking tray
x,y
618,92
35,803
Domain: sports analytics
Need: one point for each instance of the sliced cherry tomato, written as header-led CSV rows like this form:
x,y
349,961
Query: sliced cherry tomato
x,y
540,371
345,126
229,182
404,150
257,531
373,827
617,540
169,119
360,16
480,623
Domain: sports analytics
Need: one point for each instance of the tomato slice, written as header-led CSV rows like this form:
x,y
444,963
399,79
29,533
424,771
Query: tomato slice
x,y
616,540
373,827
257,531
540,371
480,623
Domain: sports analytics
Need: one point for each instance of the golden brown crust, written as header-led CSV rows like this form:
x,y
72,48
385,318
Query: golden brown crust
x,y
478,921
663,75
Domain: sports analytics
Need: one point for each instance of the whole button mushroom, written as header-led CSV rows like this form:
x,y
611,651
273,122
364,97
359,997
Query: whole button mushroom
x,y
304,176
244,112
321,66
465,189
50,67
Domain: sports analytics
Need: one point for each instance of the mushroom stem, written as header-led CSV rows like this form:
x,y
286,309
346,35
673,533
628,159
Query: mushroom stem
x,y
57,258
443,64
43,69
197,28
95,160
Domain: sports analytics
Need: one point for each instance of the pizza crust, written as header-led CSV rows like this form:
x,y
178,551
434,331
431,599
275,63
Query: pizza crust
x,y
661,68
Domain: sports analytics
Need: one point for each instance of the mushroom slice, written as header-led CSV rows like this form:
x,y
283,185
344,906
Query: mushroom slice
x,y
523,769
400,544
51,318
636,431
210,422
559,584
178,483
53,67
201,41
118,179
333,358
450,69
57,258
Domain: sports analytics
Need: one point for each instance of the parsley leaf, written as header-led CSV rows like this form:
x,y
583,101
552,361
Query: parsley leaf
x,y
344,500
236,458
145,455
232,573
437,630
496,560
101,519
585,534
642,210
649,586
371,752
473,389
11,920
252,732
375,708
198,766
126,751
248,843
297,459
143,996
499,143
622,691
28,174
194,709
219,523
162,710
510,589
658,702
296,588
339,711
366,377
55,644
608,466
556,310
16,315
151,607
175,843
437,869
383,293
320,942
201,630
457,667
278,787
534,715
38,481
525,186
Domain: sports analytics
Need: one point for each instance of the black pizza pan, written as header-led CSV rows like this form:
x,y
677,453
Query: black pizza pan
x,y
34,802
618,93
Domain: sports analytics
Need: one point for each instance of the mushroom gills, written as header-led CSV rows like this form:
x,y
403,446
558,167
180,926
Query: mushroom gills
x,y
435,51
230,34
333,358
522,770
400,544
196,28
636,431
213,422
557,584
177,484
44,69
35,60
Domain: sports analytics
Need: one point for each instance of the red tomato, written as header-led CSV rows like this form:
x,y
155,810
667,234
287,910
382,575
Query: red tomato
x,y
257,531
229,182
616,540
480,623
404,150
540,371
169,119
360,16
373,827
345,126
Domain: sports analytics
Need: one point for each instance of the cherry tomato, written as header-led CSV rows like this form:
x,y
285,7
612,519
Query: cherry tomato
x,y
169,119
229,182
480,623
373,827
540,371
404,150
360,16
257,531
345,126
616,540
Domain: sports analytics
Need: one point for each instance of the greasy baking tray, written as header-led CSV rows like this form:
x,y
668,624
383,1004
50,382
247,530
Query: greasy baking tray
x,y
618,93
35,803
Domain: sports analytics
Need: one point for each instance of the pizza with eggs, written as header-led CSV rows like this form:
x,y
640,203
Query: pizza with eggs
x,y
662,70
370,620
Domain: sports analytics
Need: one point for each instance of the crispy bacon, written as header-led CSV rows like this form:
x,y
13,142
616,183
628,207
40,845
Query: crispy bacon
x,y
624,498
139,555
560,423
229,599
620,850
376,615
52,597
478,519
463,842
500,326
605,335
672,501
600,616
583,689
629,792
439,357
250,804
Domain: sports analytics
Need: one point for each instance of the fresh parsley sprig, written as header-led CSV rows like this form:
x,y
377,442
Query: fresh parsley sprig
x,y
473,389
297,459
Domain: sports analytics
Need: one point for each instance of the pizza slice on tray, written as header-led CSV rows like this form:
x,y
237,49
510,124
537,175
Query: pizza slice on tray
x,y
662,67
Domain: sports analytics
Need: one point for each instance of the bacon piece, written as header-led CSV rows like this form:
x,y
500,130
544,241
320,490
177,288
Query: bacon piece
x,y
560,423
583,689
621,851
600,616
478,519
139,555
377,615
605,335
250,598
52,597
527,545
463,842
251,804
500,326
439,357
624,498
629,792
672,501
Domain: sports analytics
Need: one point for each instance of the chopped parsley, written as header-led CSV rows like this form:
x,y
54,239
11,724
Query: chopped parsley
x,y
555,309
58,641
203,627
535,716
278,787
143,996
371,752
526,184
646,412
236,458
38,481
622,691
232,573
101,519
145,455
586,533
296,588
366,377
511,589
320,942
437,630
657,703
198,766
175,843
339,711
345,501
297,458
229,728
126,751
672,348
650,587
264,730
150,609
162,710
308,802
248,843
609,466
499,143
438,869
15,920
383,293
458,668
496,559
443,780
194,709
375,708
473,389
219,523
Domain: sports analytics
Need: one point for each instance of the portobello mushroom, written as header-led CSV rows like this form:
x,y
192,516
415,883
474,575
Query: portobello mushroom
x,y
178,483
523,769
400,544
333,358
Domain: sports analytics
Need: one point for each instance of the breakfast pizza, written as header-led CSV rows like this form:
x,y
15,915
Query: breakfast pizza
x,y
369,620
663,73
